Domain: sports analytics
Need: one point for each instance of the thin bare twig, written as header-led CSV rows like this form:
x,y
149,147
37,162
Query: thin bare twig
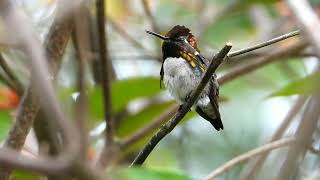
x,y
276,136
304,133
310,25
155,123
13,159
278,54
169,126
264,44
18,87
6,81
80,41
108,150
147,10
104,57
126,35
244,157
39,85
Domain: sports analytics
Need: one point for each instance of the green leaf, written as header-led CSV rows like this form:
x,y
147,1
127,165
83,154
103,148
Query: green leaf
x,y
136,173
123,92
134,122
5,123
24,175
261,1
234,27
137,121
305,86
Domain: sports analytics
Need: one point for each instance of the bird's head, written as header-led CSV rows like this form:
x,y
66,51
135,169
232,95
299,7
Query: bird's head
x,y
178,39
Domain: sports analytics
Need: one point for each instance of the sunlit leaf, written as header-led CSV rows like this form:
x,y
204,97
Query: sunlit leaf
x,y
136,173
306,86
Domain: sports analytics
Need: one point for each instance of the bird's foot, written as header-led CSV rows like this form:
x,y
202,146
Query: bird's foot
x,y
187,97
181,106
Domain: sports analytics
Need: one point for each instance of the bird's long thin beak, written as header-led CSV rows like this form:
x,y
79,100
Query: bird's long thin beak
x,y
157,35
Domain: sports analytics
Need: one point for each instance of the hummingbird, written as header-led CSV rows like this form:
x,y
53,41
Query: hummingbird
x,y
182,69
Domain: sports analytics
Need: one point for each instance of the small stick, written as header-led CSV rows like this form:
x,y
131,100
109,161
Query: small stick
x,y
267,43
244,157
104,57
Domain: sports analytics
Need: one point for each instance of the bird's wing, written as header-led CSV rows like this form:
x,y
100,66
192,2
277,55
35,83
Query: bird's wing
x,y
213,96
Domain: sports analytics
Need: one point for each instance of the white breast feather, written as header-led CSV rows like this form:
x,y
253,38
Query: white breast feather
x,y
179,78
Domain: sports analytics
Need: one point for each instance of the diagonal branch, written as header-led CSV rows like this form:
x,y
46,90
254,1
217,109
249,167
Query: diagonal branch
x,y
168,127
234,74
126,35
147,10
244,157
13,79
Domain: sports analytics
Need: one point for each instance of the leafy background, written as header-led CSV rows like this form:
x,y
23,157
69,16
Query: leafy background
x,y
255,103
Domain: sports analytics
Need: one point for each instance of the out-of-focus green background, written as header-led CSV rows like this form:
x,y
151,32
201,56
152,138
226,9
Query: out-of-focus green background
x,y
253,105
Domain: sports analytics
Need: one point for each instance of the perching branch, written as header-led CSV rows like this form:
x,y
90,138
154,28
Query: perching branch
x,y
244,157
168,127
240,71
264,44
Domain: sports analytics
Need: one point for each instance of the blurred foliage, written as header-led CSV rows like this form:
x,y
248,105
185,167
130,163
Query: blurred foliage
x,y
116,9
234,27
24,175
194,148
137,173
136,121
123,92
5,123
304,86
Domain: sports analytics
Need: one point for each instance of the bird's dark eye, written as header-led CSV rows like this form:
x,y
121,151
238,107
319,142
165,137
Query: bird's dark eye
x,y
181,38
